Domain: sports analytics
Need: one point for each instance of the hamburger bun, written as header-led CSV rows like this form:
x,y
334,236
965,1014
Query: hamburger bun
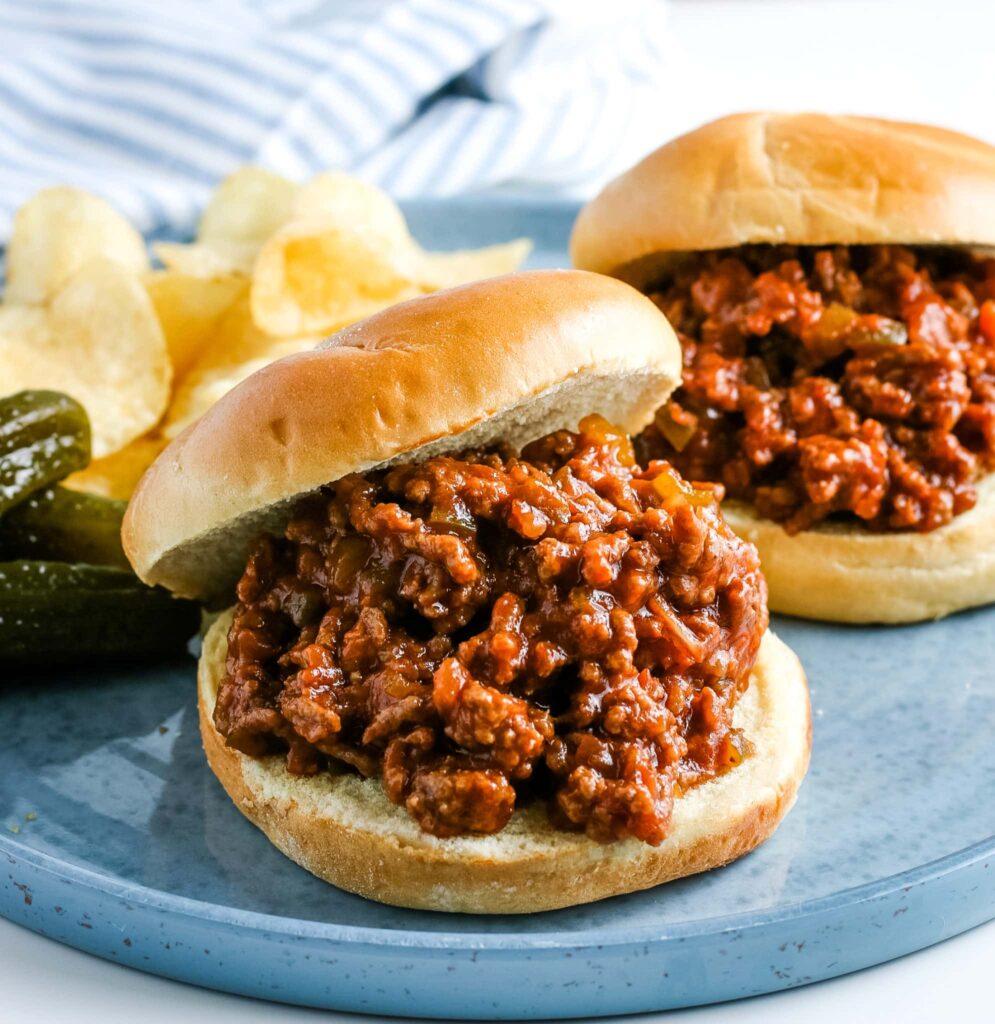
x,y
841,573
343,828
816,179
511,358
798,179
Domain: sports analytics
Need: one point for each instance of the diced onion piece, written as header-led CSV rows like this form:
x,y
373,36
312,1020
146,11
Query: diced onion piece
x,y
879,330
836,319
677,427
599,430
672,487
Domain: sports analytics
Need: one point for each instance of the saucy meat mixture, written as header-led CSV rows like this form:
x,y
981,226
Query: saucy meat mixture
x,y
846,382
483,630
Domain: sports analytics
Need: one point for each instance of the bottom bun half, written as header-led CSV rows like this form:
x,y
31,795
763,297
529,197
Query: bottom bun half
x,y
343,828
842,573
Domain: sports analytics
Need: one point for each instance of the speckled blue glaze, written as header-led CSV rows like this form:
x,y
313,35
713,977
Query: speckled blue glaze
x,y
126,846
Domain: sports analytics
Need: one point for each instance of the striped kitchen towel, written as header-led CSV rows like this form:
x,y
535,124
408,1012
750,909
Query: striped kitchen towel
x,y
150,103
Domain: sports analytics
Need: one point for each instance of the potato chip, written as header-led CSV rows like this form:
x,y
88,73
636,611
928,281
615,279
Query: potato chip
x,y
347,253
100,342
248,206
448,269
189,308
117,475
346,200
238,349
274,268
61,231
30,325
315,275
353,202
219,259
246,209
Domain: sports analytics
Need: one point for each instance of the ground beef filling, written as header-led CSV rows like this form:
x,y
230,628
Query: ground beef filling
x,y
484,630
855,383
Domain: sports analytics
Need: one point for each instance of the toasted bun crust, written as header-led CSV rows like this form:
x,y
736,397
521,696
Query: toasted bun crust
x,y
511,358
344,829
807,179
845,574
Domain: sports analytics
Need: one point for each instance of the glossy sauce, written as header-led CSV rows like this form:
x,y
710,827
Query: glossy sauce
x,y
488,629
848,383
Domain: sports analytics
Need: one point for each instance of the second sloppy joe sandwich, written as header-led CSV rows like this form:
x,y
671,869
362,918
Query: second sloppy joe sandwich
x,y
838,327
479,659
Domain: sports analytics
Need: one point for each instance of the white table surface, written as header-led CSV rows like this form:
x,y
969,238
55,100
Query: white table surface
x,y
918,59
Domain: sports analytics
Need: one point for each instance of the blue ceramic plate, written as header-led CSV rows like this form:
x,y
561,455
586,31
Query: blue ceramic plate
x,y
115,837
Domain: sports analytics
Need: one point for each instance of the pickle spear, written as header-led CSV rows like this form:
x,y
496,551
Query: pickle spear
x,y
44,436
57,524
54,613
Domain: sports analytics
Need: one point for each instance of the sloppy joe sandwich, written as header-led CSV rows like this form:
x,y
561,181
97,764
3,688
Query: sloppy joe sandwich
x,y
827,279
479,658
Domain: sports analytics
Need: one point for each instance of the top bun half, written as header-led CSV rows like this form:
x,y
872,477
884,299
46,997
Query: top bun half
x,y
511,359
802,179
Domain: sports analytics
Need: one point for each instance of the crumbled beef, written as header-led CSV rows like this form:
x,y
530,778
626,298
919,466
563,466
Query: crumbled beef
x,y
848,382
491,628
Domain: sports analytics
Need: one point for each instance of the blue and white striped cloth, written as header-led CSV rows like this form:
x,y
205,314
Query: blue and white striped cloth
x,y
150,102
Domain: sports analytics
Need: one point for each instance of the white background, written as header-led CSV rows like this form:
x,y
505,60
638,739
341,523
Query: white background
x,y
917,59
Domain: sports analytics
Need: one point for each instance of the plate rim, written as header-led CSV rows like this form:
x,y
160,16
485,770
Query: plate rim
x,y
159,901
